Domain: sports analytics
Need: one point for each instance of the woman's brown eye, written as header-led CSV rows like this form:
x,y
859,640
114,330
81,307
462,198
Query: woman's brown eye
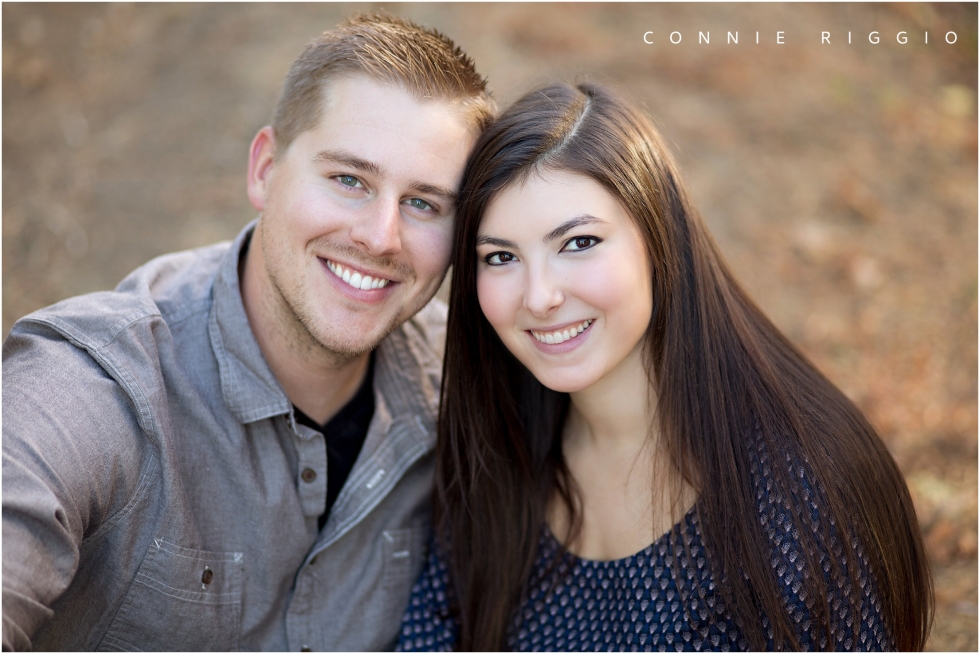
x,y
498,258
581,243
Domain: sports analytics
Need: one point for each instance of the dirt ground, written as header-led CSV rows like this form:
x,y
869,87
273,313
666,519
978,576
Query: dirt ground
x,y
839,179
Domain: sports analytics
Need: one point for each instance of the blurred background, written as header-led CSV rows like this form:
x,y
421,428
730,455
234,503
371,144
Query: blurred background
x,y
839,179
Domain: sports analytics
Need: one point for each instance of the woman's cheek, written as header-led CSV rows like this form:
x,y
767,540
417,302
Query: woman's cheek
x,y
597,286
492,292
619,281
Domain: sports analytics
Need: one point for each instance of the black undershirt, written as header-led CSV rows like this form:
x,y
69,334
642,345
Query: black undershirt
x,y
344,435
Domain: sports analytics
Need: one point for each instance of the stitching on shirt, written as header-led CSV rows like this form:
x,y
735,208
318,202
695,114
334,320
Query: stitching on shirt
x,y
361,475
133,389
197,555
183,314
378,493
81,339
102,356
403,379
197,597
149,470
231,387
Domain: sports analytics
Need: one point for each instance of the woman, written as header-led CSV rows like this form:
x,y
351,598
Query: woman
x,y
608,385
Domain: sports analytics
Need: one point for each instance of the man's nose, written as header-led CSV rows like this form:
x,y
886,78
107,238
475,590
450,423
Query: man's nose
x,y
543,293
378,231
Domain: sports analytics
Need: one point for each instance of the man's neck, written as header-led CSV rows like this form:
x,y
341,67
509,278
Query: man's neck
x,y
319,393
317,381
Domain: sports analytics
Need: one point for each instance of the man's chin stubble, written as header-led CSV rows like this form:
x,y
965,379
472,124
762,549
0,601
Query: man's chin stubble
x,y
306,336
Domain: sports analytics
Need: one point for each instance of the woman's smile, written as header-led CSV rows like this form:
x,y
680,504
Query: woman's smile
x,y
560,335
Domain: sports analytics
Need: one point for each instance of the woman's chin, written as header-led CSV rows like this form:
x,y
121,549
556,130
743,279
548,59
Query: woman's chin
x,y
562,382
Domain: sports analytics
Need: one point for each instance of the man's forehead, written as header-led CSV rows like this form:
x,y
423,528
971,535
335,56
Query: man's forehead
x,y
360,92
380,128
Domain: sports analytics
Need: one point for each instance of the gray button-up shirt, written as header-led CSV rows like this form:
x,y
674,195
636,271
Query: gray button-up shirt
x,y
156,487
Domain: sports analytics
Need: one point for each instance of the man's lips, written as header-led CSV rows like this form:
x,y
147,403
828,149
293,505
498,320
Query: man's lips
x,y
359,279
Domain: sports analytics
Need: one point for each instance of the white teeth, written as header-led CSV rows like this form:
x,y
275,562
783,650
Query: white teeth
x,y
355,279
561,336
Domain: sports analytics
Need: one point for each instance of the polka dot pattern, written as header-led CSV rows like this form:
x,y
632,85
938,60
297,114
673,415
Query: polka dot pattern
x,y
664,598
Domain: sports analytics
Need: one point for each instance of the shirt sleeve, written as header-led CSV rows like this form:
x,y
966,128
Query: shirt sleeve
x,y
427,624
71,458
787,560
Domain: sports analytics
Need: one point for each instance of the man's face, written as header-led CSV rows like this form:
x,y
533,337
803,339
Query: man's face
x,y
357,214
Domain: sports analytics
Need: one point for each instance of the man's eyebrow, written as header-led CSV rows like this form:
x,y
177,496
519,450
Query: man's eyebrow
x,y
498,242
348,159
569,225
429,189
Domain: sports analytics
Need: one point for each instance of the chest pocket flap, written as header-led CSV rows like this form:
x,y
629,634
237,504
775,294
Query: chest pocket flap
x,y
180,600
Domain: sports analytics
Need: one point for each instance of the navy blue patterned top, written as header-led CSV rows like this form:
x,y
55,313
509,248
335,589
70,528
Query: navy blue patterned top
x,y
661,599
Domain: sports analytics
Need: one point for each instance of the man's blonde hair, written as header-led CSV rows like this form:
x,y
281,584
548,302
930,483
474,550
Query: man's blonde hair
x,y
387,49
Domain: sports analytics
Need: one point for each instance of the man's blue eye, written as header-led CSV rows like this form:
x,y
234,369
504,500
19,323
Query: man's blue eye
x,y
348,180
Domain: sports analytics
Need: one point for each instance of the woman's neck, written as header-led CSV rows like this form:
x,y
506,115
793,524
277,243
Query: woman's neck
x,y
630,491
616,413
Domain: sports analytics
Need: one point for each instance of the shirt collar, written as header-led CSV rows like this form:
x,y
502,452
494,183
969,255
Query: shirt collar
x,y
250,389
403,377
404,386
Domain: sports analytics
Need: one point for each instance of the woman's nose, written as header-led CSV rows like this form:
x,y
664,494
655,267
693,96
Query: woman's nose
x,y
543,293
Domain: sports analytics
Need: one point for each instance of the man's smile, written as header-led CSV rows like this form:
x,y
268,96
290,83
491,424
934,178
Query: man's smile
x,y
357,279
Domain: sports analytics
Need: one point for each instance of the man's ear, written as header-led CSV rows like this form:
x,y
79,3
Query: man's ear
x,y
261,159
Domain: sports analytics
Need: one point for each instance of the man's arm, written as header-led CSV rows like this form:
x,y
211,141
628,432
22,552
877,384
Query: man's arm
x,y
72,458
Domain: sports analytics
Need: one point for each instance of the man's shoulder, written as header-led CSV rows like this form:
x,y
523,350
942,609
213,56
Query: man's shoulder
x,y
427,328
109,343
410,362
168,288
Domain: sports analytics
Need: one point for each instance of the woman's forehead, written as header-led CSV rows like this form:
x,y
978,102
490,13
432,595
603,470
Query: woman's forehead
x,y
546,197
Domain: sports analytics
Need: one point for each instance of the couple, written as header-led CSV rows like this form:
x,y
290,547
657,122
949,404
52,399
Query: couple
x,y
235,449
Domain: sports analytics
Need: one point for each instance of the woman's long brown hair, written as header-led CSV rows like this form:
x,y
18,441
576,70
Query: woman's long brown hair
x,y
727,384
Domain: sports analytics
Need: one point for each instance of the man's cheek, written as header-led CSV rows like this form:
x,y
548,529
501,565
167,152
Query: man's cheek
x,y
435,251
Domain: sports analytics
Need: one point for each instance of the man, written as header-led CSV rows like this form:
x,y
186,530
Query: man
x,y
232,450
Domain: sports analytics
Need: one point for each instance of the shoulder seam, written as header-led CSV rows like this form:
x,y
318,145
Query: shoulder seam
x,y
141,486
108,363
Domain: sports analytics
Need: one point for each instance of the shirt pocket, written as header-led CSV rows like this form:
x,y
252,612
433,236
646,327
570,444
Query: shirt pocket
x,y
180,600
403,550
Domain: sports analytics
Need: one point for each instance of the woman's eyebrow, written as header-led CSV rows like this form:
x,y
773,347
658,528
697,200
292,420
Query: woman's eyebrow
x,y
557,232
498,242
569,225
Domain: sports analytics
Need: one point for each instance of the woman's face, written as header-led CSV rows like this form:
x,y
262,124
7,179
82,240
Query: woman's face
x,y
564,279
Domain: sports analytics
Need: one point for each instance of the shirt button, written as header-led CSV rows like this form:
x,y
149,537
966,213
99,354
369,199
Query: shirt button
x,y
305,648
207,576
308,475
